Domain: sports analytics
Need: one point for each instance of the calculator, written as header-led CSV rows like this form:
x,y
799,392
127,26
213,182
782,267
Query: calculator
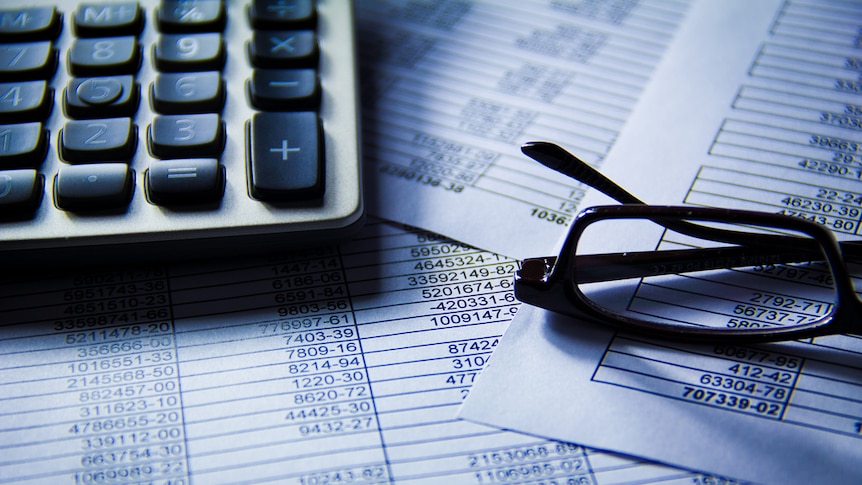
x,y
173,129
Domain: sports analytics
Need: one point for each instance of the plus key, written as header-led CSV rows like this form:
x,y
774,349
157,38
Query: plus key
x,y
285,157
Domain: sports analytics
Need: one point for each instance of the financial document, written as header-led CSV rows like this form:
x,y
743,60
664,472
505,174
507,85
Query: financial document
x,y
753,109
333,366
452,88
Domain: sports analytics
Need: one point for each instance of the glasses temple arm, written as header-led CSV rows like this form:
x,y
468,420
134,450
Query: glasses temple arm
x,y
556,158
596,268
607,267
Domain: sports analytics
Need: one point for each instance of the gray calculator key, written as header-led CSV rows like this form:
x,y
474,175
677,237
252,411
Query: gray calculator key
x,y
189,52
282,14
186,181
285,156
191,16
27,61
283,48
93,186
105,56
181,136
29,23
108,20
188,92
23,145
284,89
25,101
101,140
101,97
20,191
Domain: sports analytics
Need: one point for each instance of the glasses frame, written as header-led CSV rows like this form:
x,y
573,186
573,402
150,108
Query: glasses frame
x,y
547,282
552,282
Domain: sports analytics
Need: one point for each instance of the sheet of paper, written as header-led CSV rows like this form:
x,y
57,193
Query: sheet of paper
x,y
452,88
755,109
338,365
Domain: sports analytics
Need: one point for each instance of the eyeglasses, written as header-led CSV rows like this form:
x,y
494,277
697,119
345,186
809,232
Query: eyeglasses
x,y
715,275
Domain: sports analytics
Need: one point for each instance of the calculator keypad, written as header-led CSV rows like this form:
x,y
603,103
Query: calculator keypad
x,y
186,135
173,120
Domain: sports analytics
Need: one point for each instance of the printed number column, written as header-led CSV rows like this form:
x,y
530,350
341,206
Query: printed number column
x,y
108,397
274,380
430,312
327,371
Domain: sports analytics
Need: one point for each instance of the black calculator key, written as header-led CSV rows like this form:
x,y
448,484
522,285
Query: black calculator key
x,y
187,93
188,181
20,191
23,145
283,48
93,186
180,136
27,61
102,140
191,16
284,89
105,56
285,156
101,97
108,20
25,101
29,23
189,52
282,14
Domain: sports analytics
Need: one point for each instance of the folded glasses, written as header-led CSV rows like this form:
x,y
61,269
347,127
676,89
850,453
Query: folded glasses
x,y
714,275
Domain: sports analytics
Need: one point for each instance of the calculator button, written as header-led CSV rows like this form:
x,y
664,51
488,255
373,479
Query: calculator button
x,y
178,93
285,156
284,89
93,186
20,191
191,16
189,52
26,24
23,145
105,56
27,61
25,101
188,181
280,49
108,20
282,14
101,97
87,141
178,136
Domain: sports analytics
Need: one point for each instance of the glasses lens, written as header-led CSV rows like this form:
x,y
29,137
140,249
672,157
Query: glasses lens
x,y
731,276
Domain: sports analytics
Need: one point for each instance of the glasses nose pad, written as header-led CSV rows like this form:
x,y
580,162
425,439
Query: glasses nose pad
x,y
535,271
